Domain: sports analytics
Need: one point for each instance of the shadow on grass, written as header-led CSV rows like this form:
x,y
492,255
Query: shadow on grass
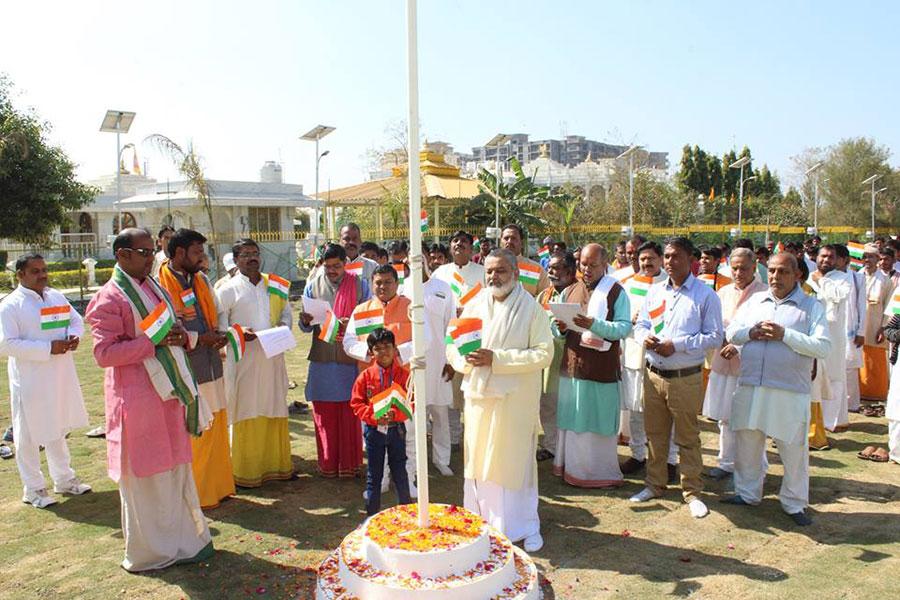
x,y
95,508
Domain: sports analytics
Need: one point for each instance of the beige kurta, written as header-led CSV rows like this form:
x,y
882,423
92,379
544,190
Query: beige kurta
x,y
503,400
878,295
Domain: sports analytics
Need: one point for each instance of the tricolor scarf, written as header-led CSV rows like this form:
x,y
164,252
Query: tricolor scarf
x,y
169,371
276,304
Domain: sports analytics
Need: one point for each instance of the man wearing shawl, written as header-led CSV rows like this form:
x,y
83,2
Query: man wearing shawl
x,y
331,372
502,387
589,406
195,304
151,411
255,386
726,361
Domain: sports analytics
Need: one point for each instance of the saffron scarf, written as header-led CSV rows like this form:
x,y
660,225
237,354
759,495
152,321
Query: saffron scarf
x,y
200,285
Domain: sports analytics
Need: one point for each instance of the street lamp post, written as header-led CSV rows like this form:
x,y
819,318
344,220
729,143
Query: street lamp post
x,y
871,181
118,122
314,135
497,142
629,154
740,164
813,170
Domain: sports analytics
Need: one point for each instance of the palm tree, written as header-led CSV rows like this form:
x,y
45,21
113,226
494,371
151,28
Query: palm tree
x,y
188,164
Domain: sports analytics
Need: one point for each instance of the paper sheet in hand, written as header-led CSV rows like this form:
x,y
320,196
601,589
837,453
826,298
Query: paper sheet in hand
x,y
566,312
317,308
276,340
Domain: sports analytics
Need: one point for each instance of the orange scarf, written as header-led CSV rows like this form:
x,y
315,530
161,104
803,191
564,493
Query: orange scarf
x,y
201,290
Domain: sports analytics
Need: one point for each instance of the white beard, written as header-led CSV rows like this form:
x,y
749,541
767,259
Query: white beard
x,y
502,291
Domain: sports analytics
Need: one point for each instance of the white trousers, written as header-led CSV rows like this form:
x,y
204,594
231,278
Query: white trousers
x,y
440,434
638,441
852,391
834,409
161,519
28,459
749,473
726,447
514,512
894,440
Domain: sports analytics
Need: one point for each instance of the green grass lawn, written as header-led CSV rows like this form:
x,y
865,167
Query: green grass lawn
x,y
598,545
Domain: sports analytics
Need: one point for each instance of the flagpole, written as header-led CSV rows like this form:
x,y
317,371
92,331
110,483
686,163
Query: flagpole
x,y
415,241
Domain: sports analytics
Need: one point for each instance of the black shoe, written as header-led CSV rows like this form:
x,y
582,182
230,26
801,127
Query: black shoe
x,y
632,466
737,500
8,435
543,454
718,474
298,408
801,518
673,474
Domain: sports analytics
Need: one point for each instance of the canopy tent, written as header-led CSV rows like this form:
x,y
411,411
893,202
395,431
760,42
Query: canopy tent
x,y
442,186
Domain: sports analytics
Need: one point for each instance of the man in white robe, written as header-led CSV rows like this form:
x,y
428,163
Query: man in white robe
x,y
780,332
502,387
39,330
856,336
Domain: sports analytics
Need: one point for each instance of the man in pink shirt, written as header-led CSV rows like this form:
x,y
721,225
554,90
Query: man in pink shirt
x,y
149,411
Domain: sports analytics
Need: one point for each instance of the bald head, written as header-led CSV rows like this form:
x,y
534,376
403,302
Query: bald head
x,y
593,263
134,249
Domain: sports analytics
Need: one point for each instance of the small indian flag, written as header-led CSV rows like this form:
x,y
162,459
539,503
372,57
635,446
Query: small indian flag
x,y
856,264
894,306
158,323
354,268
466,334
467,297
55,317
708,279
638,285
401,273
330,328
424,217
458,284
856,250
188,297
368,321
657,320
236,341
279,286
476,244
393,398
778,249
529,273
544,253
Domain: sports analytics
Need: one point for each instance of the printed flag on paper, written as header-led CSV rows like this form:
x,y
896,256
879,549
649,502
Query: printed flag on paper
x,y
391,399
476,244
330,328
466,334
236,341
158,323
279,286
529,273
544,253
639,285
424,217
354,268
188,297
401,273
368,321
55,317
458,284
778,249
708,279
467,297
857,251
657,317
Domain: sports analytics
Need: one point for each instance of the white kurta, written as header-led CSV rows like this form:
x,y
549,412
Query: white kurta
x,y
835,292
472,273
44,389
256,386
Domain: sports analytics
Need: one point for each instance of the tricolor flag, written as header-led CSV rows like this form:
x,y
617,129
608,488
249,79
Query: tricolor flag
x,y
158,323
55,317
778,249
857,250
236,341
657,320
401,273
188,297
894,307
476,244
368,321
424,217
638,285
279,286
544,253
529,273
458,284
708,279
473,291
330,328
466,334
393,398
354,268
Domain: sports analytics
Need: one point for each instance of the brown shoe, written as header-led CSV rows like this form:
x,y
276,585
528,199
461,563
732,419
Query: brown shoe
x,y
632,465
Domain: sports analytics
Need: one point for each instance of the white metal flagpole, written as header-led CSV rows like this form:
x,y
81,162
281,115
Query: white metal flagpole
x,y
415,242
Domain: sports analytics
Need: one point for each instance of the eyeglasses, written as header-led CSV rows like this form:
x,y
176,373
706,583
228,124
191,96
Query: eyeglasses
x,y
248,255
144,252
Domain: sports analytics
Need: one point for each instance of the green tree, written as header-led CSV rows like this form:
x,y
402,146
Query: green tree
x,y
846,200
520,201
37,180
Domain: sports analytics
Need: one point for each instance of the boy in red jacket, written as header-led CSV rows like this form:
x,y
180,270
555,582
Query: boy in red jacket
x,y
387,433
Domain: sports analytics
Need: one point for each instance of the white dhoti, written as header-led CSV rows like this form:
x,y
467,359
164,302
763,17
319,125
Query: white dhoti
x,y
587,459
834,408
161,519
514,512
851,402
894,440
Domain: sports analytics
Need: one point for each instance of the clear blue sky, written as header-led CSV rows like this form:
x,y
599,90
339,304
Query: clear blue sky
x,y
243,79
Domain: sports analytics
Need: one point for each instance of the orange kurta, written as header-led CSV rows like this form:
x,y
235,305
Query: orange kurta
x,y
396,320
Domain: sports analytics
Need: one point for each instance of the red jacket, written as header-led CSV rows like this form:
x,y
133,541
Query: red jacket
x,y
372,381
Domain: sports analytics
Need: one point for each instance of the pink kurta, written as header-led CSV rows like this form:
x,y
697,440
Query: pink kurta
x,y
142,429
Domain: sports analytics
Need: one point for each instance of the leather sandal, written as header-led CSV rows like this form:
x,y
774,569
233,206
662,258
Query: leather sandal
x,y
866,453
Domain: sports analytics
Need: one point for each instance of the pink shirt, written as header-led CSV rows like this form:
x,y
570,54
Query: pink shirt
x,y
144,433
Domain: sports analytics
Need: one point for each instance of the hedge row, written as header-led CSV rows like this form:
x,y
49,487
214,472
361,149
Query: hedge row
x,y
61,279
54,267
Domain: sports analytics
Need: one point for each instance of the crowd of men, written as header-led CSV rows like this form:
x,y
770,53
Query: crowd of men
x,y
580,351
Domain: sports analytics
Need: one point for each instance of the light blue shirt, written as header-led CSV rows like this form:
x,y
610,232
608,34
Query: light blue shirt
x,y
693,321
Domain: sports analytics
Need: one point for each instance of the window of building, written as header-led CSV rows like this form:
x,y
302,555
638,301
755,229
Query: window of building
x,y
264,219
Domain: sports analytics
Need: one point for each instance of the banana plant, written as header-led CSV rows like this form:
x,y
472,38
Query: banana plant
x,y
520,201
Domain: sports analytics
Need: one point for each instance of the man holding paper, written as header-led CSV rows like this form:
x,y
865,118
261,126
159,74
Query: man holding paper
x,y
39,330
256,386
331,371
501,362
588,411
152,409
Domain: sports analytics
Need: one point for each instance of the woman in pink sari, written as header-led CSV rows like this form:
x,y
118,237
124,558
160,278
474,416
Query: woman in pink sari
x,y
331,371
